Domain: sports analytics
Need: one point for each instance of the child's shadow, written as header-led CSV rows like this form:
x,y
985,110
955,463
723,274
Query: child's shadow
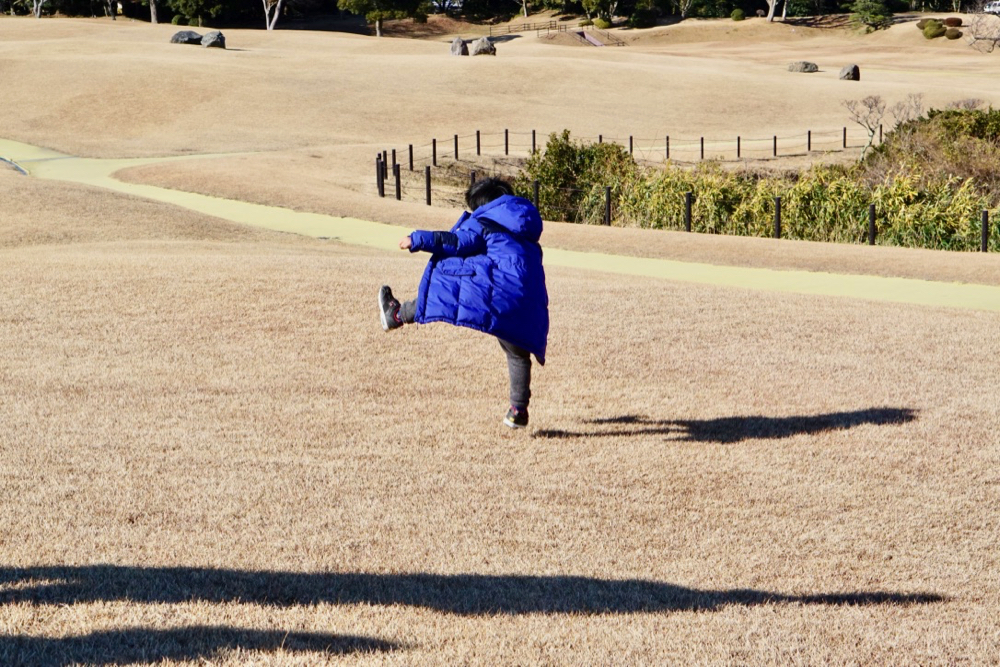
x,y
734,429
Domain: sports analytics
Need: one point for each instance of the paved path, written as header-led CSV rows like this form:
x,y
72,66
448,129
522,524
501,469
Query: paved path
x,y
44,163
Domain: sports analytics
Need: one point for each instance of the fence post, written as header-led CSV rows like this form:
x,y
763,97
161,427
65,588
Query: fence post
x,y
777,217
535,185
809,141
427,181
630,144
872,229
478,150
880,133
703,148
399,186
984,246
600,138
737,146
411,157
506,142
456,146
845,137
775,145
607,205
378,174
668,146
472,178
393,158
385,164
434,152
533,145
687,211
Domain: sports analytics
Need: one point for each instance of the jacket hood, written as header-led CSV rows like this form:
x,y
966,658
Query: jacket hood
x,y
516,214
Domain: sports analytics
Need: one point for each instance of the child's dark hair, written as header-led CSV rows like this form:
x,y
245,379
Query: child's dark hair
x,y
483,192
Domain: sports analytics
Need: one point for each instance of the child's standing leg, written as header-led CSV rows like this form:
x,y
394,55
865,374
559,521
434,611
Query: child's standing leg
x,y
519,369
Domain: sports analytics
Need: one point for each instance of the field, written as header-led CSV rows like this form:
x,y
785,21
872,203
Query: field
x,y
211,453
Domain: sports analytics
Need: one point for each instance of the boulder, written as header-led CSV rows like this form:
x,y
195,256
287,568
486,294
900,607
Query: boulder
x,y
186,37
458,47
803,66
215,39
850,73
482,47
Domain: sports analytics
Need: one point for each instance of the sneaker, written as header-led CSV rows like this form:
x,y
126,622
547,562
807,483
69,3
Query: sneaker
x,y
516,418
388,308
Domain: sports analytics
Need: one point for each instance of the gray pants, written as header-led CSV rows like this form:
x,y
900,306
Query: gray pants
x,y
518,361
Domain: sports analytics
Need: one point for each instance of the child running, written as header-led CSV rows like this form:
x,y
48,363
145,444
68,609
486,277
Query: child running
x,y
485,274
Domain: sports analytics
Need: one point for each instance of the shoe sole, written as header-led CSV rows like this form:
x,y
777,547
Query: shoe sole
x,y
381,312
510,424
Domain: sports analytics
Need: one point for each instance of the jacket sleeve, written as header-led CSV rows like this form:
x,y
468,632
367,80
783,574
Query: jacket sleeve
x,y
463,243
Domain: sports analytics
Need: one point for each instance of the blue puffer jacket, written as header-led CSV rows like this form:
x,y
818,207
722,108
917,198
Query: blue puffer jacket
x,y
486,274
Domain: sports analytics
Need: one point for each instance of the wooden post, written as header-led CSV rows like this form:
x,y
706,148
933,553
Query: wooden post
x,y
478,151
687,211
845,137
668,146
533,146
385,164
434,152
456,146
703,148
535,184
809,141
411,157
984,246
393,158
506,142
737,147
630,144
607,205
399,186
600,138
775,145
378,174
777,217
872,229
427,181
472,178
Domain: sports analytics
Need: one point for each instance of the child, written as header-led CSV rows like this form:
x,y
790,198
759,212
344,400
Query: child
x,y
486,274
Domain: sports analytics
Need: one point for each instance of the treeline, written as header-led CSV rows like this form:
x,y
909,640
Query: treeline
x,y
638,13
929,181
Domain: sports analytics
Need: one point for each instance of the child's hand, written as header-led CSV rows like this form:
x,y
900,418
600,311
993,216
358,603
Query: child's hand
x,y
406,243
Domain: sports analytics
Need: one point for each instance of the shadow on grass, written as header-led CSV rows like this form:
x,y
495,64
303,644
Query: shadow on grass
x,y
463,594
727,430
145,645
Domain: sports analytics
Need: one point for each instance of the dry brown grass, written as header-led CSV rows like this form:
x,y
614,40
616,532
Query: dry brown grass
x,y
209,451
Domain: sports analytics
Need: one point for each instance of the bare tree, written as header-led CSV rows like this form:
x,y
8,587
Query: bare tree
x,y
909,109
967,104
272,10
983,32
867,113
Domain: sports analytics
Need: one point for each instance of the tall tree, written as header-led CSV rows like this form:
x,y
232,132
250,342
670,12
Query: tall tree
x,y
377,11
272,10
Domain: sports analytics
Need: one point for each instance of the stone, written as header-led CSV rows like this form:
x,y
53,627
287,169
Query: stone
x,y
214,39
186,37
850,73
482,47
803,66
458,47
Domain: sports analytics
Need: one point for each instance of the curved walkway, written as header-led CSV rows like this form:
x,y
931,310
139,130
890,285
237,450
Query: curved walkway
x,y
48,164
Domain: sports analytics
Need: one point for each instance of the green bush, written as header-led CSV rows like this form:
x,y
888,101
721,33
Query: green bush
x,y
873,14
933,29
585,22
921,24
194,21
952,33
952,22
603,24
643,18
737,15
177,19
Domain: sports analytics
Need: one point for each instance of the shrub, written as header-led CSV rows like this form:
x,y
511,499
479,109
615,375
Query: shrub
x,y
952,22
585,22
643,18
177,19
603,24
871,13
194,21
952,33
737,15
922,23
933,29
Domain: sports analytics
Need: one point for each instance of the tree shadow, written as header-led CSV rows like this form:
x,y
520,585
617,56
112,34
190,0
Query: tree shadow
x,y
146,645
727,430
462,594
